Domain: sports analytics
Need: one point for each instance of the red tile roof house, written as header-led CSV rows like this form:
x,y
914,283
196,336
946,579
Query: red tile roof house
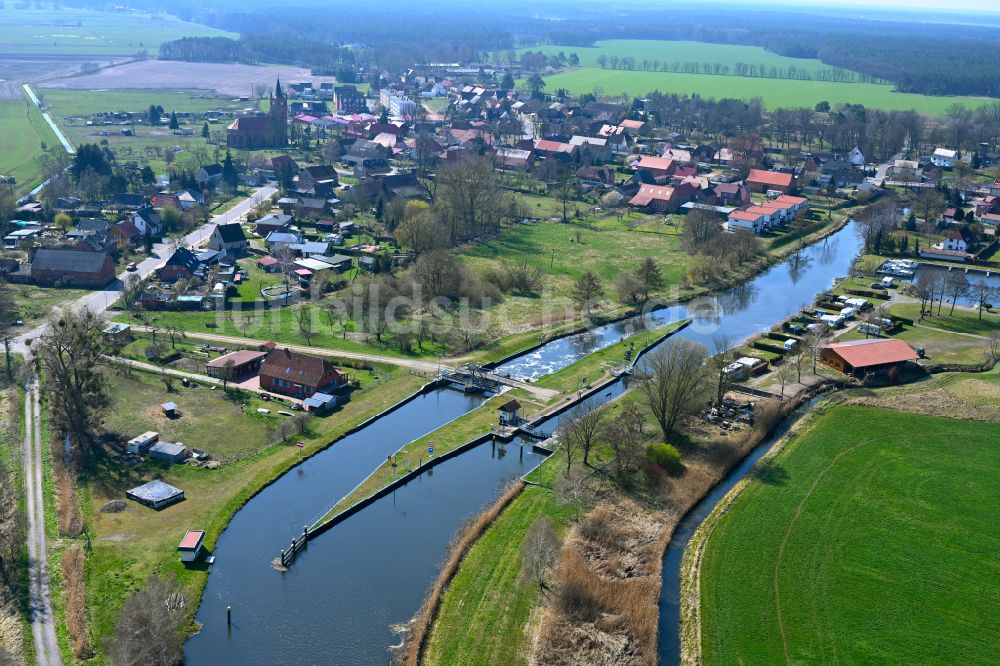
x,y
298,375
861,357
663,198
763,181
657,166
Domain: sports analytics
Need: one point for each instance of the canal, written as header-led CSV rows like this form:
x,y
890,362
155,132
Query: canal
x,y
337,602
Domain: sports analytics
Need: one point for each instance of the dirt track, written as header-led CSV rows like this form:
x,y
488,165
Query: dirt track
x,y
226,79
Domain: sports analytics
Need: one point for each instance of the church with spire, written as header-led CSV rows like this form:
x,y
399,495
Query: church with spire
x,y
262,131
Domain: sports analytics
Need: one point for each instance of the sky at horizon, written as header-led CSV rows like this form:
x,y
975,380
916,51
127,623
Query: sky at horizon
x,y
949,7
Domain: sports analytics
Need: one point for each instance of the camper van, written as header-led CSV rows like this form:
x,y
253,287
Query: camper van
x,y
888,282
790,344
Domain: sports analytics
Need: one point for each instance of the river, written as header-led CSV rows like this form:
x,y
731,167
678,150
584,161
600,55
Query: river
x,y
336,603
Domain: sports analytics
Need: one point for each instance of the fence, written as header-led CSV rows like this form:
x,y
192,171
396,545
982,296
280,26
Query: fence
x,y
298,545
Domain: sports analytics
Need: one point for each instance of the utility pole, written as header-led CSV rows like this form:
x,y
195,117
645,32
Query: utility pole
x,y
6,351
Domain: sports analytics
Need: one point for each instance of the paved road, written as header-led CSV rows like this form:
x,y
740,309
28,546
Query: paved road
x,y
39,593
99,301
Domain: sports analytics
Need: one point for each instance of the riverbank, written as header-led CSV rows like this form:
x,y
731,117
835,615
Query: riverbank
x,y
690,590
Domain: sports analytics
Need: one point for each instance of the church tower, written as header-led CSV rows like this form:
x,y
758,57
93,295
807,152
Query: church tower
x,y
278,113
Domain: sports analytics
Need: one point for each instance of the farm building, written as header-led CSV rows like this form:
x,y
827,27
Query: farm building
x,y
169,451
298,375
190,546
244,362
760,180
156,494
866,356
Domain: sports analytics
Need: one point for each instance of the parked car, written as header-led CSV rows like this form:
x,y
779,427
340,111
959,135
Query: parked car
x,y
131,266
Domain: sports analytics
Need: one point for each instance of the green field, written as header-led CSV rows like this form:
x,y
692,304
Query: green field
x,y
22,132
83,32
775,92
861,543
63,102
670,51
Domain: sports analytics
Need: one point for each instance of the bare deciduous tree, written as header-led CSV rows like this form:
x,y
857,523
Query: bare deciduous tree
x,y
148,631
672,382
581,425
70,352
539,550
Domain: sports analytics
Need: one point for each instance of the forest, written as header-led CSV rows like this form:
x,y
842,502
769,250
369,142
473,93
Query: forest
x,y
914,52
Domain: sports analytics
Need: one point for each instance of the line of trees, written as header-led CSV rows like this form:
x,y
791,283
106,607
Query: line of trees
x,y
750,70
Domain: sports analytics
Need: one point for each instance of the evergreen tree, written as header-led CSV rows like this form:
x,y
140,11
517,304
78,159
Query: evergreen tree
x,y
229,175
147,175
173,121
204,131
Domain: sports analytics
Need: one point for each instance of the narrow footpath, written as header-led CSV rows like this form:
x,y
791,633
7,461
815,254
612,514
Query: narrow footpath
x,y
39,591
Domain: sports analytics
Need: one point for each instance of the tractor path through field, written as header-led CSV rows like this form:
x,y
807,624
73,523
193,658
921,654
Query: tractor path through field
x,y
39,591
788,533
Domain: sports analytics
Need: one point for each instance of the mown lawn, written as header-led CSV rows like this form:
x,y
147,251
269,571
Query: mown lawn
x,y
961,321
871,539
137,542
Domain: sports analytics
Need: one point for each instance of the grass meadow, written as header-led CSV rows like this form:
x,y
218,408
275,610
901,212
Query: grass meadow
x,y
775,92
83,32
861,543
22,133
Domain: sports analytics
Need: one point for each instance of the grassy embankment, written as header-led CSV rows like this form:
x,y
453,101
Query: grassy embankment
x,y
853,545
130,545
22,133
776,92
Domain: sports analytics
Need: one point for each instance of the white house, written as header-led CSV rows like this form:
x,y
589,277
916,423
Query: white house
x,y
944,158
229,238
957,241
856,157
147,221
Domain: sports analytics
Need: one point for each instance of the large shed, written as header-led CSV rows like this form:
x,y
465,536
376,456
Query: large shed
x,y
866,356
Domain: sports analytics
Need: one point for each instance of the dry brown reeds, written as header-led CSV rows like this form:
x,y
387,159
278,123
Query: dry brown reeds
x,y
74,591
